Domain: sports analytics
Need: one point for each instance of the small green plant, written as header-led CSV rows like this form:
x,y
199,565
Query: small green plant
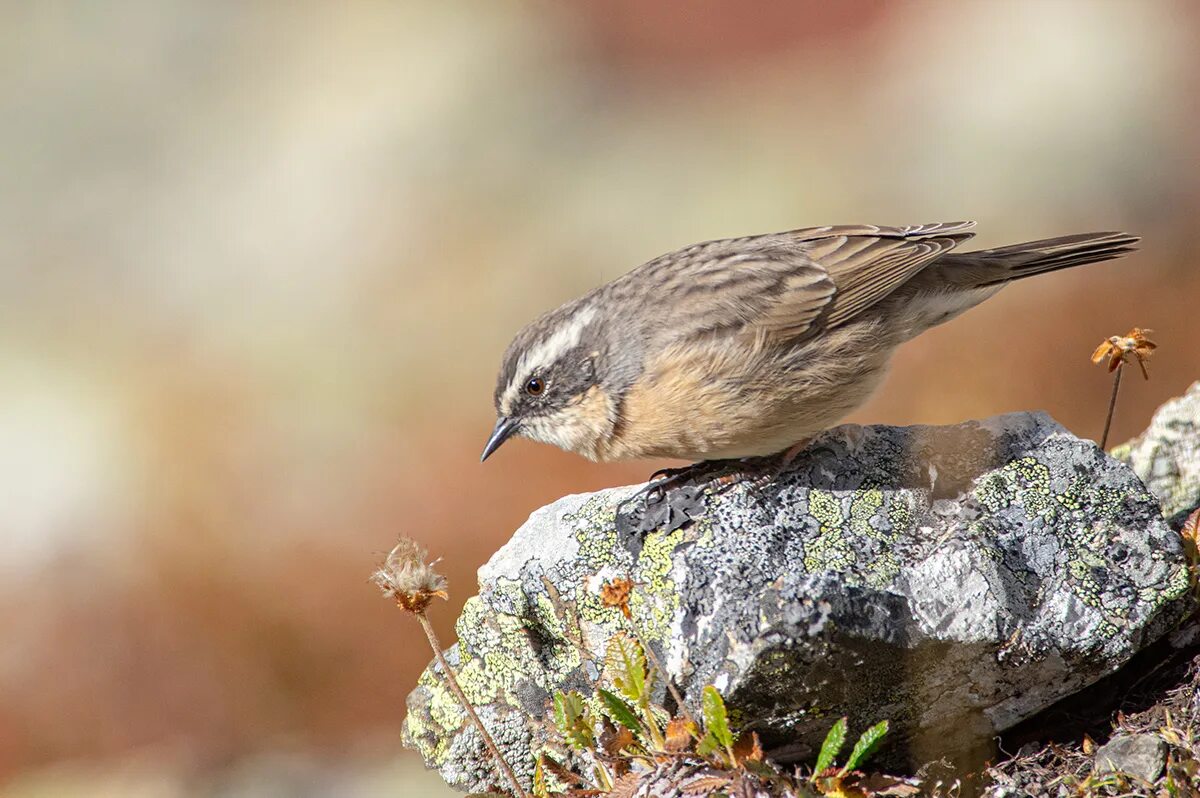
x,y
624,737
628,735
574,721
827,777
623,729
718,739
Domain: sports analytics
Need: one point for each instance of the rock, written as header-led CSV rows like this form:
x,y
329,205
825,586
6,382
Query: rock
x,y
953,580
1167,455
1140,755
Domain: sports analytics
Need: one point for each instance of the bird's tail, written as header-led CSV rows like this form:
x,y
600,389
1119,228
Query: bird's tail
x,y
1051,254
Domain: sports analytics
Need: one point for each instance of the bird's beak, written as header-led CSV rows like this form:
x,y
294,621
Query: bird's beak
x,y
505,427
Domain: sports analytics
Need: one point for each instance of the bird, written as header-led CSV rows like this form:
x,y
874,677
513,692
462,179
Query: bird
x,y
745,347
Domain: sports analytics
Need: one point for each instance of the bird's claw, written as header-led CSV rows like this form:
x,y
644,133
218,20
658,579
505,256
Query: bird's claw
x,y
667,504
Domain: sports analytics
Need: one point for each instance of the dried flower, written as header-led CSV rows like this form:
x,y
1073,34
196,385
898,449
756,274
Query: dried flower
x,y
1120,349
413,584
616,593
408,579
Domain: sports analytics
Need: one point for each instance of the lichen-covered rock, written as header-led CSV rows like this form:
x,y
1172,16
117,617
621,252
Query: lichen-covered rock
x,y
1167,455
953,580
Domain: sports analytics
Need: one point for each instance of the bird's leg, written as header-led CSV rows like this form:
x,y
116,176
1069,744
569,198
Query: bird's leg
x,y
736,470
792,452
661,505
665,478
666,502
759,472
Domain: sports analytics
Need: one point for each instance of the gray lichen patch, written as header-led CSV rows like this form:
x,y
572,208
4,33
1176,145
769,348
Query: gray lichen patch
x,y
1166,457
954,580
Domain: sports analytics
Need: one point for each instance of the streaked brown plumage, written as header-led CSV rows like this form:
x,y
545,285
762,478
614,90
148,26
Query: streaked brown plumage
x,y
744,346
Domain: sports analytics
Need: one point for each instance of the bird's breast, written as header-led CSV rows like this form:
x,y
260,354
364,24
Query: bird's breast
x,y
731,400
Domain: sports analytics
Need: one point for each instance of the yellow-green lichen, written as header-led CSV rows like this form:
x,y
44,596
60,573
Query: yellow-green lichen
x,y
479,686
566,656
1082,579
863,506
1122,451
900,513
595,531
1023,481
1179,582
655,602
444,707
418,735
1083,515
829,550
471,625
845,520
505,642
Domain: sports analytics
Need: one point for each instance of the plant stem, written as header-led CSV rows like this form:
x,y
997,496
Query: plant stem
x,y
666,676
462,698
1112,405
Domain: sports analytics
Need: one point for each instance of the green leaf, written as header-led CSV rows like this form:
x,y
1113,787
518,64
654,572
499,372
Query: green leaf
x,y
832,746
626,663
708,745
716,719
562,713
866,745
655,719
620,711
539,781
573,721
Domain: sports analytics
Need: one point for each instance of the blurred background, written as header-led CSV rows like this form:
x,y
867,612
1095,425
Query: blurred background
x,y
258,263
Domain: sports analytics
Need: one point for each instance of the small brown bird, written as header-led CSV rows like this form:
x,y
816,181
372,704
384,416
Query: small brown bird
x,y
746,346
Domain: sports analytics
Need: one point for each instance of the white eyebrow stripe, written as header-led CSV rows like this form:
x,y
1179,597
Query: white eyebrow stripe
x,y
565,338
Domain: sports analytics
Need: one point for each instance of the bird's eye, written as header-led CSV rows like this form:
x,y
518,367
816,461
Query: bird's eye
x,y
535,386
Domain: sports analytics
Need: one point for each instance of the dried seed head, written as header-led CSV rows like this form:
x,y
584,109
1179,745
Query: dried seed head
x,y
405,577
1133,346
615,593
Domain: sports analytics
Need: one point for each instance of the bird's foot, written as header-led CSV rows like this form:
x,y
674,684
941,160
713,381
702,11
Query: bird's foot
x,y
674,496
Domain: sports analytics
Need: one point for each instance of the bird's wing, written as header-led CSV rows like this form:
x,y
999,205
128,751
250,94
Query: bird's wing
x,y
788,286
866,263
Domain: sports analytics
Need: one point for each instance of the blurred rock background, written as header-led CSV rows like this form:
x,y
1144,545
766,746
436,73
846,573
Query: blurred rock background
x,y
258,263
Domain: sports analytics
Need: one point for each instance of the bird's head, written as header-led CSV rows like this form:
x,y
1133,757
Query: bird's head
x,y
551,387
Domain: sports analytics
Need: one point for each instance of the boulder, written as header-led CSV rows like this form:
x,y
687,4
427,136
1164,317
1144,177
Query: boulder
x,y
954,580
1166,457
